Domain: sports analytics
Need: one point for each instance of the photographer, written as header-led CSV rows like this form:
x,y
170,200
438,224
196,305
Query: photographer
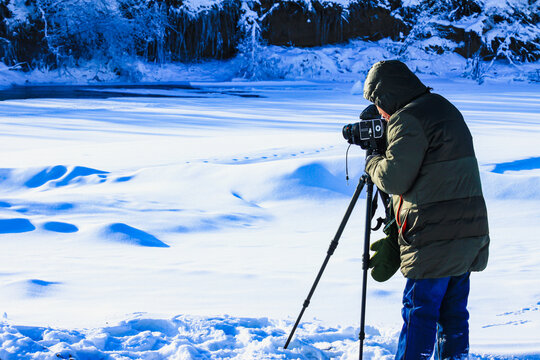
x,y
430,168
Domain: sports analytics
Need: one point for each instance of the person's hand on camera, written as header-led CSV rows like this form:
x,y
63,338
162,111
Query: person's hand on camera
x,y
371,157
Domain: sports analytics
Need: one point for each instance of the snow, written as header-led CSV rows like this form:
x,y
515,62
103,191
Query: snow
x,y
19,10
411,3
336,63
507,6
196,6
192,226
188,337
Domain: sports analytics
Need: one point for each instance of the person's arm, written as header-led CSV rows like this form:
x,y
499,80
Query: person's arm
x,y
395,172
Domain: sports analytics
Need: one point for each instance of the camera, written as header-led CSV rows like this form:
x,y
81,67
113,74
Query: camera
x,y
369,133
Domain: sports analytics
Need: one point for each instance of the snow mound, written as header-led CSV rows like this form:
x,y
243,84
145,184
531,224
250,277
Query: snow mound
x,y
59,175
31,288
316,176
319,179
124,233
46,175
518,179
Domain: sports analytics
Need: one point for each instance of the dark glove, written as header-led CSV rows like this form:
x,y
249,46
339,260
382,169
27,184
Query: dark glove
x,y
370,112
386,260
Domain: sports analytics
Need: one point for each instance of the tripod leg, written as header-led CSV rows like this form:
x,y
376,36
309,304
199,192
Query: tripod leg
x,y
365,264
331,249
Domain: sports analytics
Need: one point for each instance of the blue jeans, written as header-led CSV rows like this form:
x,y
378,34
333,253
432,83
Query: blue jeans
x,y
435,309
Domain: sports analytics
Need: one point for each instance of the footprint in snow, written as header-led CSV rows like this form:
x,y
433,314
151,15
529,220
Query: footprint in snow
x,y
513,323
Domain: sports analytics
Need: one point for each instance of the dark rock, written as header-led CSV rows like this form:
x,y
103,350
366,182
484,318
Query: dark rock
x,y
371,21
469,42
24,43
294,24
211,33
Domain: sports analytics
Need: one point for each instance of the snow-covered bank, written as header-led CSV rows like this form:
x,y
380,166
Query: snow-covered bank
x,y
42,34
210,203
342,63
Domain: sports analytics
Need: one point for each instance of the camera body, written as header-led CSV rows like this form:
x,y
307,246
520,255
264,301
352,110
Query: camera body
x,y
369,133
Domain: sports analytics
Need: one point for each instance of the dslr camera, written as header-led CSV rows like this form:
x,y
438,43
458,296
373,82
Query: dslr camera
x,y
369,133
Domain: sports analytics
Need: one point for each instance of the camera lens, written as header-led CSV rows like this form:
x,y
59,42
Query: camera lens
x,y
347,132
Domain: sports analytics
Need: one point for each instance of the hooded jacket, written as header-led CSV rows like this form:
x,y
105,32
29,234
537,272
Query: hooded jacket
x,y
431,169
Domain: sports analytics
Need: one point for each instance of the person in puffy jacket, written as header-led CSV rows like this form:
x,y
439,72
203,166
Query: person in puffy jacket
x,y
431,170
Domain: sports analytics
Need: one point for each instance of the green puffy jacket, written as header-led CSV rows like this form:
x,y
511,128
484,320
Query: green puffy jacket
x,y
431,169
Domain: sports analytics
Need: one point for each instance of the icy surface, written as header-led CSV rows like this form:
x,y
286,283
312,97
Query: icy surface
x,y
191,227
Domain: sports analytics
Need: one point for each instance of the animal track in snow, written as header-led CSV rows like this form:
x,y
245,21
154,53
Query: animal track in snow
x,y
264,157
522,311
216,222
516,322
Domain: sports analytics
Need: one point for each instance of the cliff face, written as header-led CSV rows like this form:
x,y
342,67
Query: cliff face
x,y
47,33
56,33
319,23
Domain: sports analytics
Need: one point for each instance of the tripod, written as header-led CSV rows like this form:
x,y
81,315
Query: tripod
x,y
364,180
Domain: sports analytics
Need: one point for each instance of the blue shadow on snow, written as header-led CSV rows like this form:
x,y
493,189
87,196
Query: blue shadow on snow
x,y
46,175
11,226
37,288
56,172
317,176
39,208
79,171
42,282
124,178
218,222
4,174
524,164
60,227
128,234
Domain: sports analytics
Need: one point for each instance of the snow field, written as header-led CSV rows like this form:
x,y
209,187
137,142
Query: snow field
x,y
117,215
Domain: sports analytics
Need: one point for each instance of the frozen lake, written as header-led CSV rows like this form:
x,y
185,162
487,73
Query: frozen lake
x,y
202,200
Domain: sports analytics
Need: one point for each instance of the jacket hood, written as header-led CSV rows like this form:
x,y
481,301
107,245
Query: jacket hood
x,y
391,85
